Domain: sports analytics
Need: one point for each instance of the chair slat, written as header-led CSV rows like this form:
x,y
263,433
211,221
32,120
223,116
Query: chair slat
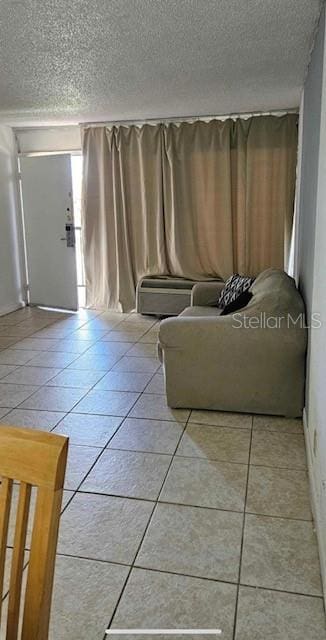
x,y
5,502
17,563
41,565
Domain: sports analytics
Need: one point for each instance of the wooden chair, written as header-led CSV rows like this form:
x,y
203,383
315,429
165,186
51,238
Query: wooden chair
x,y
33,458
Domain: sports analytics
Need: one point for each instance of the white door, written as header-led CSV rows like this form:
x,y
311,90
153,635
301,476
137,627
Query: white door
x,y
49,230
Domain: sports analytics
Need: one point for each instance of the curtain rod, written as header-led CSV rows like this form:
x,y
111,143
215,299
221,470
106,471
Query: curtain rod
x,y
246,114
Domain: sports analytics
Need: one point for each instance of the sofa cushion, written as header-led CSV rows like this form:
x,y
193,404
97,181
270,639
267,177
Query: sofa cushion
x,y
201,311
234,286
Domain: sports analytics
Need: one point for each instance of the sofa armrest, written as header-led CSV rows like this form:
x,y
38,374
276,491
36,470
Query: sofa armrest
x,y
206,294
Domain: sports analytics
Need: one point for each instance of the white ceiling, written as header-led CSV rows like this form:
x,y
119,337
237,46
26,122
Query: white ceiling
x,y
77,60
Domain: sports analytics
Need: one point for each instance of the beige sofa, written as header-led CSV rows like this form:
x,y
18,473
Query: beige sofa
x,y
252,361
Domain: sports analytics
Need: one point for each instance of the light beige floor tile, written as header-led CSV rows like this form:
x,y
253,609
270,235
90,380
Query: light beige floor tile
x,y
66,497
54,399
128,473
103,323
278,492
109,348
155,407
36,344
35,325
11,319
72,346
43,420
229,445
10,356
125,329
151,336
84,598
52,359
103,528
5,369
156,600
89,430
88,334
269,615
95,362
53,332
74,322
142,350
280,554
122,336
156,385
8,342
277,423
31,375
14,331
13,394
115,403
122,381
278,450
130,324
157,436
193,541
219,485
76,378
141,365
80,460
222,419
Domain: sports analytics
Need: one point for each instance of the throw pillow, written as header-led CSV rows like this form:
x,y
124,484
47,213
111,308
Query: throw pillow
x,y
234,285
240,302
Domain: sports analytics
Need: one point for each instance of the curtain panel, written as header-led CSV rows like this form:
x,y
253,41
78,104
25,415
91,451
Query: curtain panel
x,y
197,200
123,225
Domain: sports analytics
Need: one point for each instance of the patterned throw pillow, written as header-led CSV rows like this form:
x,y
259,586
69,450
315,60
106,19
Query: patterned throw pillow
x,y
234,286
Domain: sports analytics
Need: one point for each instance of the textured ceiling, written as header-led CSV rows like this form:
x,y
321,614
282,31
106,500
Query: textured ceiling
x,y
77,60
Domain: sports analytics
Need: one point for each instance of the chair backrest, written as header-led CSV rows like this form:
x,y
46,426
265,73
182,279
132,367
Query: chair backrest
x,y
33,458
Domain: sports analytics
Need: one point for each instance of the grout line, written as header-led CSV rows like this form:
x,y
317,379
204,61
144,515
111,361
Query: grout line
x,y
242,537
146,528
184,575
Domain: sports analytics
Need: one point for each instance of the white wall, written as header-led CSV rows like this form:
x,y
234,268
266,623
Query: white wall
x,y
312,275
48,139
10,238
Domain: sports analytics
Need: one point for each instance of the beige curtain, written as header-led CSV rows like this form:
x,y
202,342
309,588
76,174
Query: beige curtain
x,y
228,195
122,213
197,200
264,158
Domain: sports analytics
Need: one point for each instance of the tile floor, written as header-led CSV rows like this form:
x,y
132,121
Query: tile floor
x,y
171,518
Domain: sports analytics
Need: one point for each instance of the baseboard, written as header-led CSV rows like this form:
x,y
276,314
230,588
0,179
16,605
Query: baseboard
x,y
317,516
10,308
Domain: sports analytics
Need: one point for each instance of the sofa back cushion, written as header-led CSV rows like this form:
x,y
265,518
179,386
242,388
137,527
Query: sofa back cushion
x,y
275,293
